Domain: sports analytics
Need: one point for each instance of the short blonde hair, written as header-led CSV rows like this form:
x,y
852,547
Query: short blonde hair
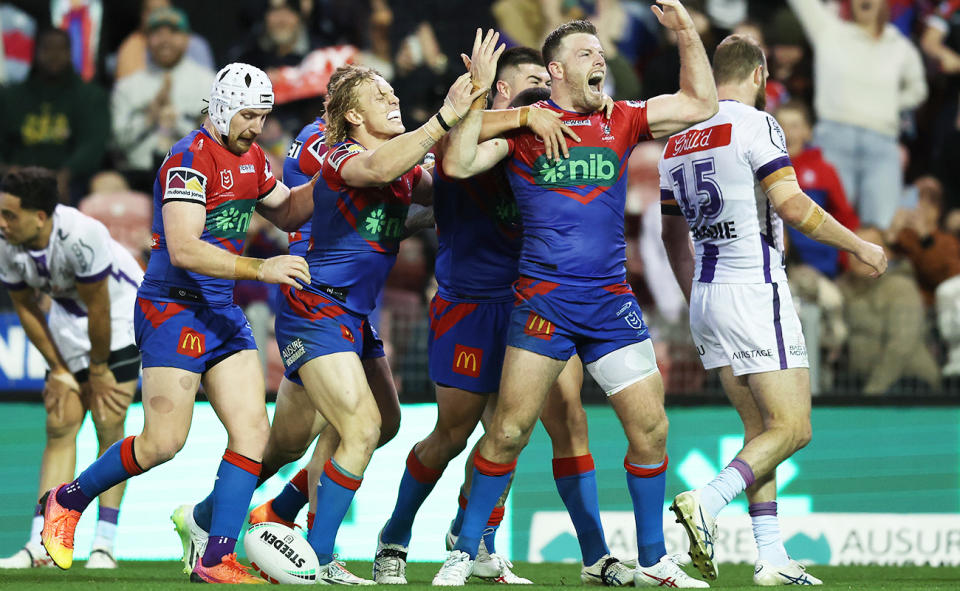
x,y
342,97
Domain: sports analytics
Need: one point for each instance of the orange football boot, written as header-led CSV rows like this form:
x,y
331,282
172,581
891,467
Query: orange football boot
x,y
59,524
265,512
228,571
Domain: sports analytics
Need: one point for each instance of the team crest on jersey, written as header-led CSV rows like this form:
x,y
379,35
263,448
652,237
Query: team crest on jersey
x,y
186,184
226,179
247,169
585,166
634,104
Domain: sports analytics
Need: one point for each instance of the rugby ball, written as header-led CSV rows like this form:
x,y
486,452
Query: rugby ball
x,y
280,555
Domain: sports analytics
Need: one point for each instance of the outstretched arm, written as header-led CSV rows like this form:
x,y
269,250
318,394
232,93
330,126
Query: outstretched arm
x,y
697,98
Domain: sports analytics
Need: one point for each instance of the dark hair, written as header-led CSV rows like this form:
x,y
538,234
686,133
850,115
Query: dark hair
x,y
556,37
735,58
800,107
517,56
37,41
35,187
530,96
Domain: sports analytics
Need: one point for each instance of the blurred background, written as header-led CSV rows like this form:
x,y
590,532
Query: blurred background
x,y
99,90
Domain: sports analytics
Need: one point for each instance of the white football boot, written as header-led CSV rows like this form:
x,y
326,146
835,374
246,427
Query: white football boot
x,y
455,571
666,573
608,571
30,556
793,573
390,563
101,558
335,573
701,530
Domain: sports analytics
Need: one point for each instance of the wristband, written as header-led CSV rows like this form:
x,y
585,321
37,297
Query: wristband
x,y
480,103
815,218
524,115
446,127
248,268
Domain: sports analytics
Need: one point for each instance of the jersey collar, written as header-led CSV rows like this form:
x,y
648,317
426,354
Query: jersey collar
x,y
559,108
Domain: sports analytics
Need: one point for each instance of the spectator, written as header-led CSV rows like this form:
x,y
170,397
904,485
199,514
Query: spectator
x,y
133,54
934,253
156,106
819,180
865,72
941,43
284,40
54,119
885,317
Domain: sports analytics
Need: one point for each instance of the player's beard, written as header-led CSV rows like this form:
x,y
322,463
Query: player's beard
x,y
760,101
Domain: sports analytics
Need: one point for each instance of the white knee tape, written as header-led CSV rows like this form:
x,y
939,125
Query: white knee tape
x,y
625,366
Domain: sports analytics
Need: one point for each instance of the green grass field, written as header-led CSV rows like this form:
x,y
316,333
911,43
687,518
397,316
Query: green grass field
x,y
163,576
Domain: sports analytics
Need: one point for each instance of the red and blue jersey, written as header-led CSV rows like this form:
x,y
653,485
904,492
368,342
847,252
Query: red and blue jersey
x,y
356,232
199,170
572,209
479,234
304,160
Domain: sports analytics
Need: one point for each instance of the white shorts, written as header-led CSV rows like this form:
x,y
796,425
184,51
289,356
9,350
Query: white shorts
x,y
72,339
753,328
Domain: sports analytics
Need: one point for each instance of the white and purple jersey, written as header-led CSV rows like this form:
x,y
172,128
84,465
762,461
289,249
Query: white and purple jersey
x,y
80,250
713,171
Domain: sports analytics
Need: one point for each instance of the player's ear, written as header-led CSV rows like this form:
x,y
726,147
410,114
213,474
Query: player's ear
x,y
758,75
353,117
503,89
556,70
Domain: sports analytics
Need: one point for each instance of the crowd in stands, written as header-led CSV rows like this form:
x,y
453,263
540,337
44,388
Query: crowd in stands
x,y
867,93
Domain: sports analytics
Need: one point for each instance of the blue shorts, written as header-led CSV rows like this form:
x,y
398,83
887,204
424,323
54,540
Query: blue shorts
x,y
310,325
194,338
467,342
560,320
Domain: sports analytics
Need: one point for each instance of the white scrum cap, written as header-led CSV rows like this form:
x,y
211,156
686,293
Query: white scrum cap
x,y
238,86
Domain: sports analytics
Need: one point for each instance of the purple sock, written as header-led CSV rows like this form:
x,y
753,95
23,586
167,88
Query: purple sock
x,y
38,510
109,514
217,548
71,497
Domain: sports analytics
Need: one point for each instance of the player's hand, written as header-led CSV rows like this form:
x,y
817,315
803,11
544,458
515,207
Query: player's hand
x,y
548,127
60,384
285,269
673,15
462,94
105,396
483,60
873,255
608,104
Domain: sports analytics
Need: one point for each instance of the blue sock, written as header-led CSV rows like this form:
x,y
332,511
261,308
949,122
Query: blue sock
x,y
417,482
489,481
236,481
458,520
116,464
334,495
576,479
203,512
490,532
292,498
647,484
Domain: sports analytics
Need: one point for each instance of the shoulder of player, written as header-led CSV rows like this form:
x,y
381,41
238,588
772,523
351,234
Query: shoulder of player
x,y
73,225
339,153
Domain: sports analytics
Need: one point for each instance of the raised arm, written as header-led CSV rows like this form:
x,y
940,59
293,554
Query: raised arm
x,y
696,100
816,19
373,168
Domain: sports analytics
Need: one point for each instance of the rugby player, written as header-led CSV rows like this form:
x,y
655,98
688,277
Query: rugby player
x,y
479,234
188,328
572,295
730,182
87,341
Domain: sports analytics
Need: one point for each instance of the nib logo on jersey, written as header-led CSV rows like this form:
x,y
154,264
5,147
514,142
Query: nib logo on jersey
x,y
231,219
585,166
382,222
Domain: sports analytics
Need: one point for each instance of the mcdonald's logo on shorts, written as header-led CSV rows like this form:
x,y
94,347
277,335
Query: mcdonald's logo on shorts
x,y
467,361
538,327
345,333
191,343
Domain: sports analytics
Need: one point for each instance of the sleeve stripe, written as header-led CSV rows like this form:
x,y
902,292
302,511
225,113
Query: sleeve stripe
x,y
268,191
165,201
666,195
14,286
96,277
773,166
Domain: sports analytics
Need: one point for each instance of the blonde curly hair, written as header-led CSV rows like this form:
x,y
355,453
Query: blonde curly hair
x,y
342,96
